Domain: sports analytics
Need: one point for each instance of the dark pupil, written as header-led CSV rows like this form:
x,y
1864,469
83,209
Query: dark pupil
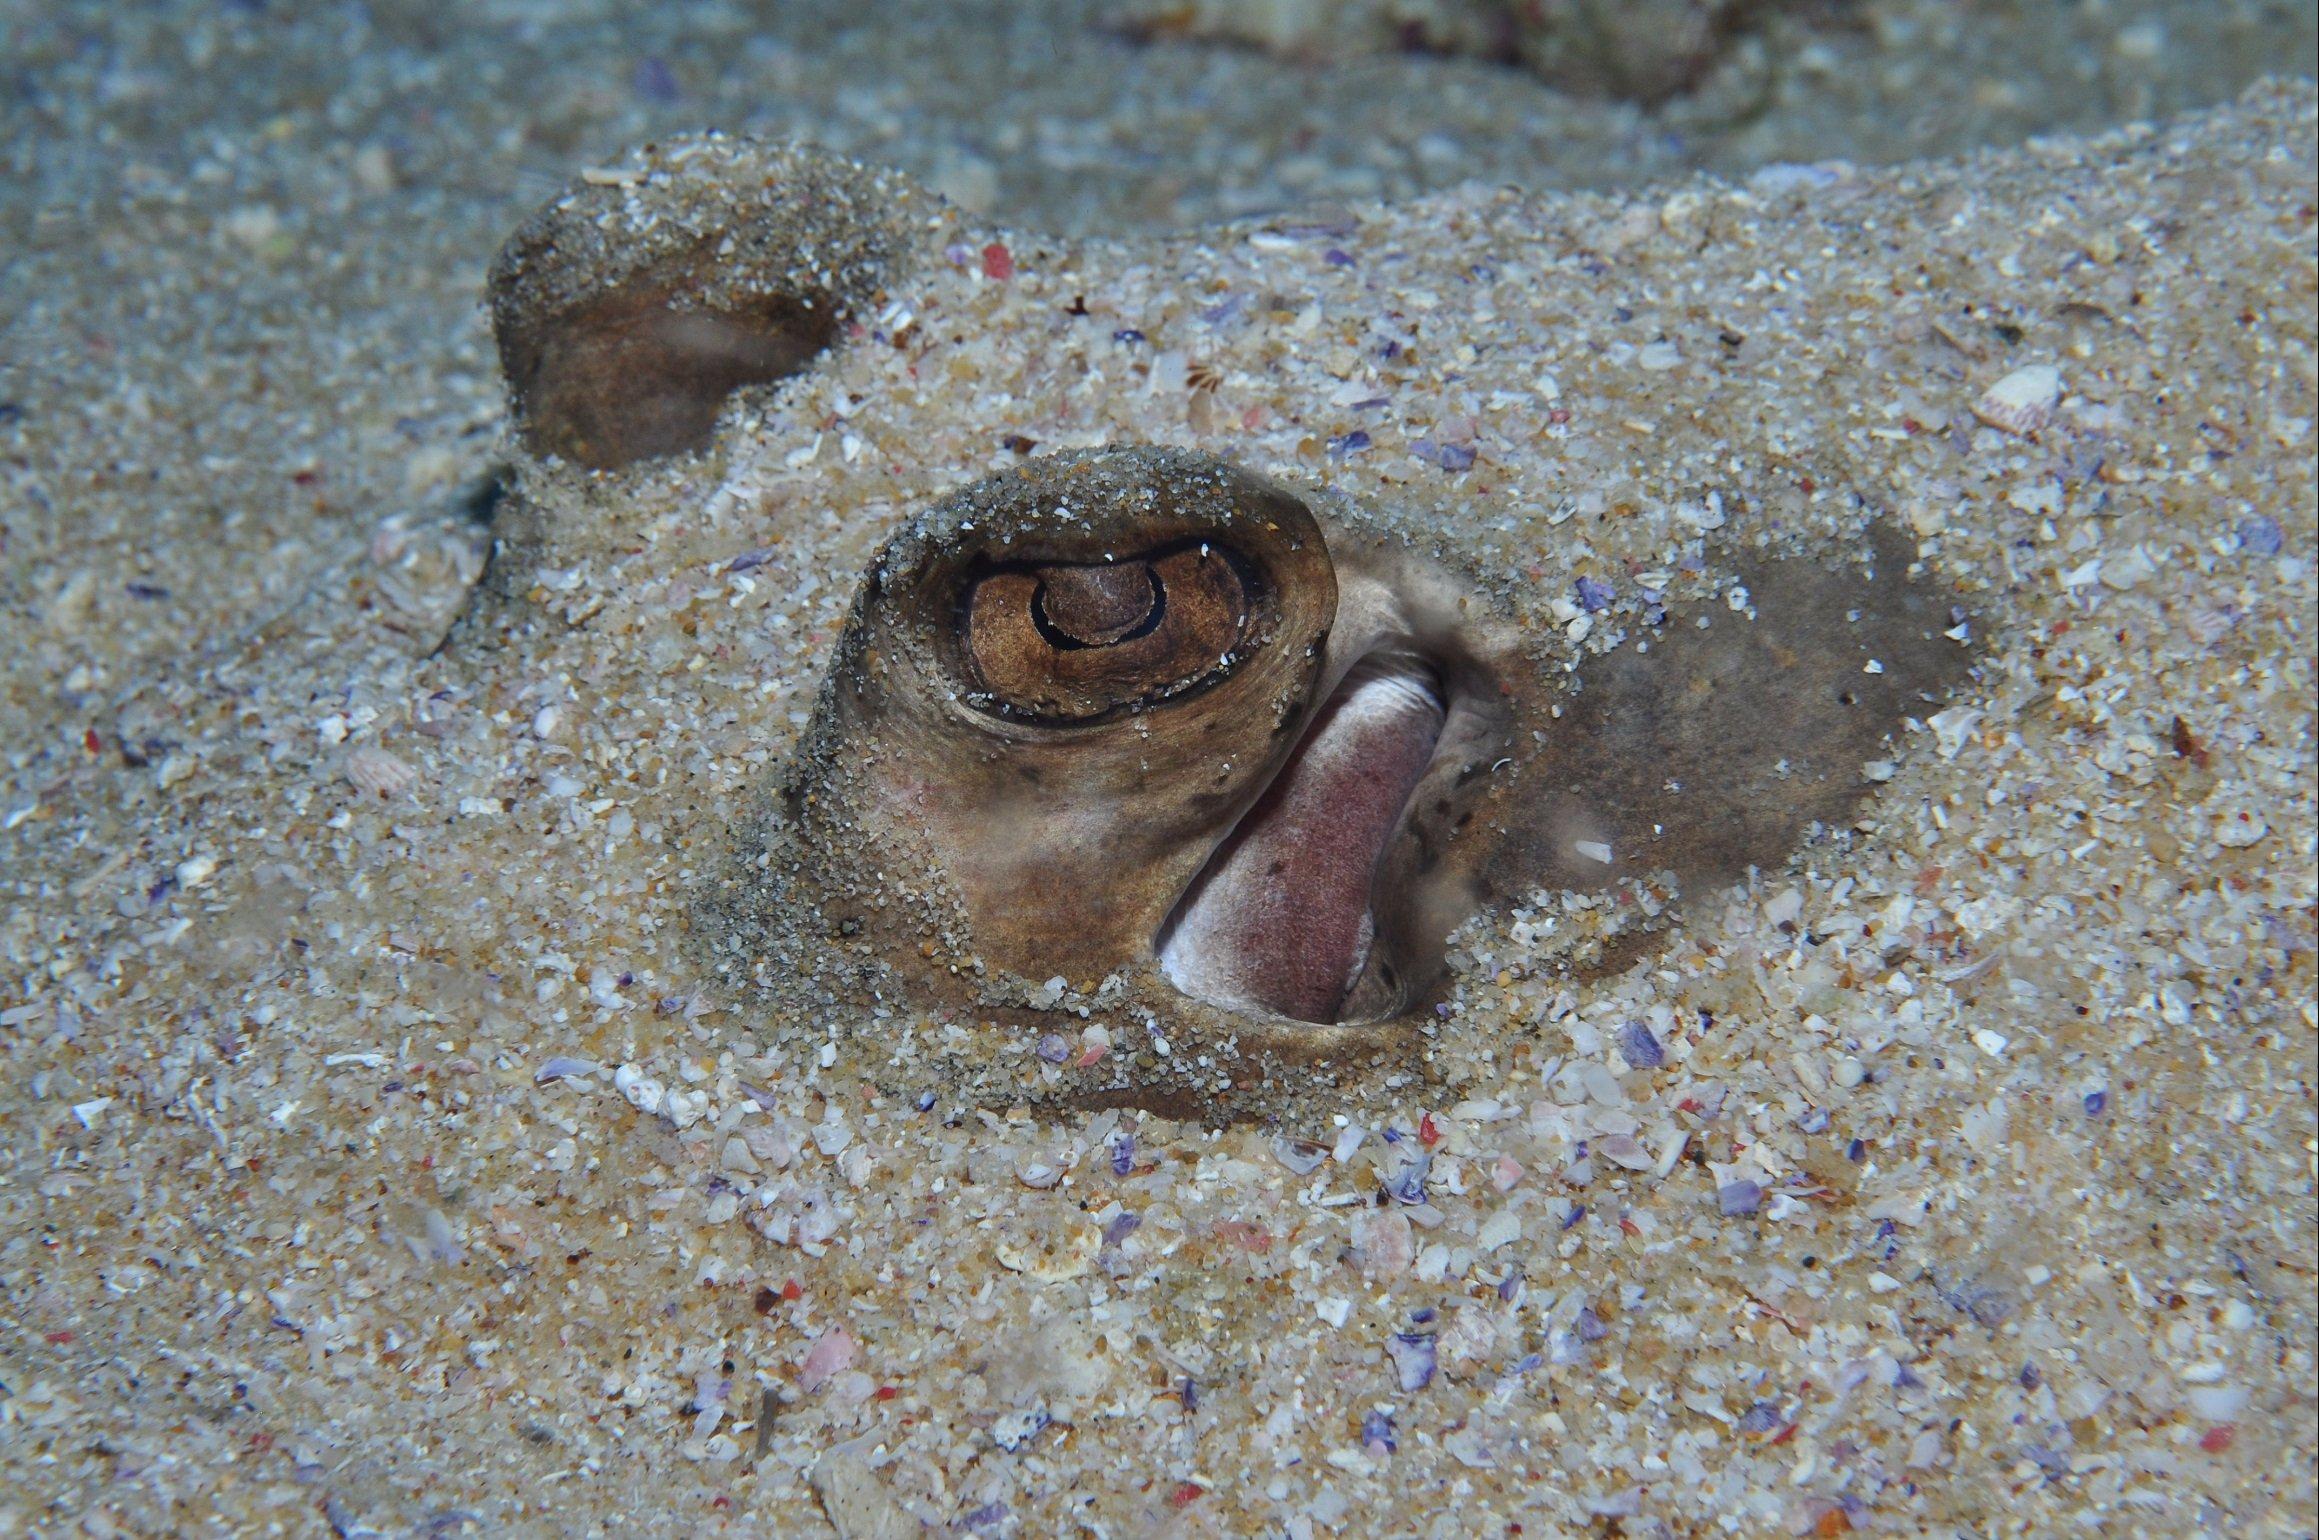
x,y
1077,607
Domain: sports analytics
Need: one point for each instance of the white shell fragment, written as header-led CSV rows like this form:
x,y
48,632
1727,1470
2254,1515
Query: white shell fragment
x,y
374,772
2128,570
644,1093
1055,1251
1015,1429
1953,728
2023,401
1302,1156
858,1503
2238,829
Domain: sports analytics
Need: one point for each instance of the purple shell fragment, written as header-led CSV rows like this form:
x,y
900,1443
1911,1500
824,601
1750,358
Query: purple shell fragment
x,y
1739,1198
1408,1182
1377,1433
1054,1048
1639,1047
1763,1417
1413,1358
1450,457
1593,594
2261,535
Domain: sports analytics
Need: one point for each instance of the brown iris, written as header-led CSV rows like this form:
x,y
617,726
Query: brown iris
x,y
1075,642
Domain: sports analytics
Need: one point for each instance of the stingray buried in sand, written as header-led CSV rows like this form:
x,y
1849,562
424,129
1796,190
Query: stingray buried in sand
x,y
1198,766
456,1059
1242,762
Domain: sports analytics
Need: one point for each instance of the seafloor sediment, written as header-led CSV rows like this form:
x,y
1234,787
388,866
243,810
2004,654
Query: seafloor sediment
x,y
245,243
383,1156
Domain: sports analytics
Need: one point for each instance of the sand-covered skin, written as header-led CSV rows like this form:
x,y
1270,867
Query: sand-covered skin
x,y
1959,1178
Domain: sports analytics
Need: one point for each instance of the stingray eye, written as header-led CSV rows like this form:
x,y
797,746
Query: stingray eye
x,y
1075,642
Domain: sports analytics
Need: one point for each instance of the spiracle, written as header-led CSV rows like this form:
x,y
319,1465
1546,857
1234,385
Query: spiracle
x,y
629,308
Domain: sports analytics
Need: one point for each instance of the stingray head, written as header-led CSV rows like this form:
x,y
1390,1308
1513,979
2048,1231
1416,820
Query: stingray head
x,y
1152,718
1135,738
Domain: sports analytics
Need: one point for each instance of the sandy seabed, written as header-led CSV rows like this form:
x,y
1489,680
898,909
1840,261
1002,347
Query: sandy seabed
x,y
383,1158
